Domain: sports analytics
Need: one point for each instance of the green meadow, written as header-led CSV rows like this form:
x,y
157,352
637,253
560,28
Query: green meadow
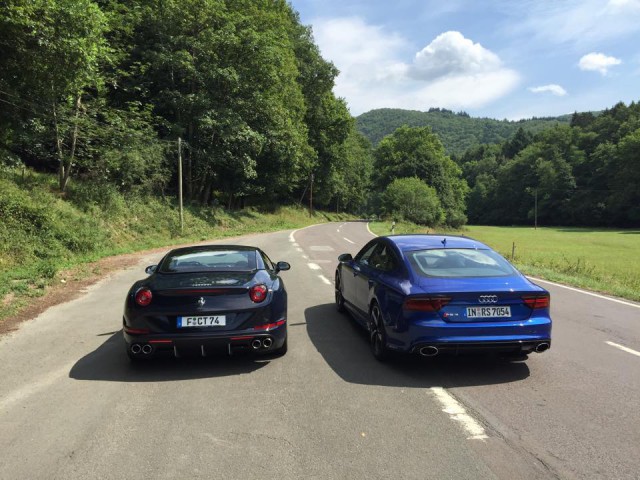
x,y
601,260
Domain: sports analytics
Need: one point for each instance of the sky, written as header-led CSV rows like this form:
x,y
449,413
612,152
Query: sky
x,y
500,59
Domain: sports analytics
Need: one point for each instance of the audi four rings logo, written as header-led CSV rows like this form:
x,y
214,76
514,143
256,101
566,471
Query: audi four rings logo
x,y
488,298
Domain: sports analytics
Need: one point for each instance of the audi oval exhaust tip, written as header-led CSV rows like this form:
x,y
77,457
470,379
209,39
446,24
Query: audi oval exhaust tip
x,y
267,342
136,348
542,347
429,351
256,344
147,349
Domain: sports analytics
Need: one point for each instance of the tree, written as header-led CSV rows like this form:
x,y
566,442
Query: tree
x,y
50,56
417,152
412,199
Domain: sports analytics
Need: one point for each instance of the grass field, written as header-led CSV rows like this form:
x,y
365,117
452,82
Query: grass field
x,y
601,260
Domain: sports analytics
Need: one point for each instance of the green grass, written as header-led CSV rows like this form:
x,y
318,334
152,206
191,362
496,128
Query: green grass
x,y
42,233
596,259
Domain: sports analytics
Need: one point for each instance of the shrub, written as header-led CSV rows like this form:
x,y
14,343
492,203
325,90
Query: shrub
x,y
413,200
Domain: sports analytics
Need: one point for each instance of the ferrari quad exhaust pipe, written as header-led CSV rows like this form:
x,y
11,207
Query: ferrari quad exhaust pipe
x,y
541,347
147,349
136,348
429,351
256,344
267,342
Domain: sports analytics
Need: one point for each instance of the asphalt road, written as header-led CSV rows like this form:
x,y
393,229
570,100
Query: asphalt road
x,y
71,405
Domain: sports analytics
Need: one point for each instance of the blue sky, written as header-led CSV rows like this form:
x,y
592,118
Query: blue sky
x,y
500,59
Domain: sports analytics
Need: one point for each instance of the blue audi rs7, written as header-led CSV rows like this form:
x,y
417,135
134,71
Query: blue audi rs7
x,y
203,299
431,294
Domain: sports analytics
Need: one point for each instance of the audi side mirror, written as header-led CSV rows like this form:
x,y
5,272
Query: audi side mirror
x,y
345,257
150,269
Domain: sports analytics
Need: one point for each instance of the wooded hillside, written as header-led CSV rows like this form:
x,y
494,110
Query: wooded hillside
x,y
458,131
586,173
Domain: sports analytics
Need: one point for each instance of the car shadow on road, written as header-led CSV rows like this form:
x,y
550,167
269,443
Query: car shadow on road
x,y
109,362
344,345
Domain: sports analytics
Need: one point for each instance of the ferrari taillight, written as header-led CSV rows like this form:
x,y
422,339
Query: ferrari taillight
x,y
425,304
258,293
535,302
143,297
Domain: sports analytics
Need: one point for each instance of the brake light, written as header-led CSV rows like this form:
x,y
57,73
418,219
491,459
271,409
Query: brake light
x,y
425,304
535,302
258,293
136,331
270,326
143,297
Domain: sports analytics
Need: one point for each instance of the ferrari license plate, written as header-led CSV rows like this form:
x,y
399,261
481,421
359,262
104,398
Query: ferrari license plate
x,y
488,312
209,321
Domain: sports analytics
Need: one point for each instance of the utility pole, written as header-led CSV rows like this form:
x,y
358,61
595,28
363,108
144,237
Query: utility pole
x,y
180,184
311,197
535,210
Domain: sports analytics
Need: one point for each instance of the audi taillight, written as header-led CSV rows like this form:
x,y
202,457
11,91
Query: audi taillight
x,y
425,304
143,297
258,293
535,302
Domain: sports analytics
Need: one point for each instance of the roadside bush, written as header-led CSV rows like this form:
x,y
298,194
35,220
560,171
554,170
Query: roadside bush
x,y
413,200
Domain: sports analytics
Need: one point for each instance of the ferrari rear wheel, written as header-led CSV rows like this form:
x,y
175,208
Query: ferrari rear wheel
x,y
339,297
377,335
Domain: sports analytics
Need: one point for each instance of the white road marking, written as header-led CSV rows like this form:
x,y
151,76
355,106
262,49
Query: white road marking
x,y
313,266
457,412
350,241
306,257
292,237
299,249
295,244
623,348
321,248
324,279
369,230
629,304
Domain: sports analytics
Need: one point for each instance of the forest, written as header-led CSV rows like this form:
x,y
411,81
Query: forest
x,y
100,91
107,95
586,173
458,131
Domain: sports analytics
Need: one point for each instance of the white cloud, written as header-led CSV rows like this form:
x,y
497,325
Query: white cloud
x,y
453,54
554,89
461,91
626,5
451,72
598,62
575,22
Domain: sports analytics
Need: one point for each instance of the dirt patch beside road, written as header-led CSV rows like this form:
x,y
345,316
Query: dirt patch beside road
x,y
70,284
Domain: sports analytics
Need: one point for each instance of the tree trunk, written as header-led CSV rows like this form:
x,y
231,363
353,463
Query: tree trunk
x,y
74,142
58,147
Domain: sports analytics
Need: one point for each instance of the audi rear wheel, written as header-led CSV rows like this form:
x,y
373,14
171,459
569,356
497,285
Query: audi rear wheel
x,y
377,335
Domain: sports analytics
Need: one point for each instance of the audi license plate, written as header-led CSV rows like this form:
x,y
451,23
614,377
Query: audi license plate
x,y
210,321
488,312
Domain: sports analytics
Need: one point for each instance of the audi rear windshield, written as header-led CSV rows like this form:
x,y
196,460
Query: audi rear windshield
x,y
227,260
459,263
